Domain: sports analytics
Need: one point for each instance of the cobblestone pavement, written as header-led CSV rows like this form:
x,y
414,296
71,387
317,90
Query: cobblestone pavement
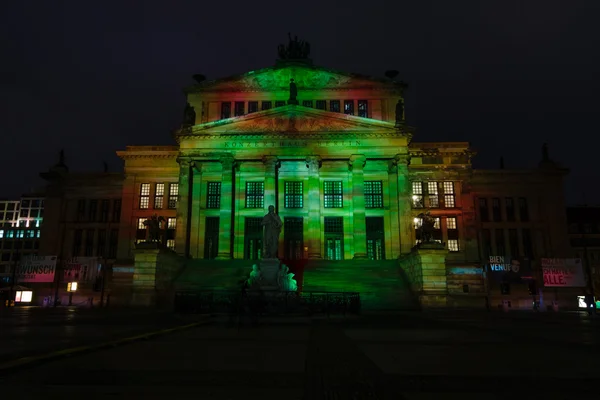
x,y
386,356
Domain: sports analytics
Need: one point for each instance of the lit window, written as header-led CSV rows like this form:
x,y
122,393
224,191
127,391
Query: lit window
x,y
349,107
417,195
171,244
144,195
173,195
1,233
37,234
432,191
453,245
451,223
373,194
333,196
449,199
363,108
255,194
140,224
141,229
159,192
171,223
293,195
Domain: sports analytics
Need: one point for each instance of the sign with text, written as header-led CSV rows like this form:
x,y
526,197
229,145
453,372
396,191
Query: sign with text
x,y
81,269
509,270
562,272
36,269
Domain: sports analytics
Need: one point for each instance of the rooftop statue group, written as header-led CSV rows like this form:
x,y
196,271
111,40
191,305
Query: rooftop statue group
x,y
295,50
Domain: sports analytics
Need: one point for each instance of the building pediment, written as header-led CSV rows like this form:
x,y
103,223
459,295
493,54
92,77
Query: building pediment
x,y
306,77
290,119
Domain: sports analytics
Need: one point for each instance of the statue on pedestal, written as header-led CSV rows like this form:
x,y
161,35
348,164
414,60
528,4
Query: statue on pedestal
x,y
189,116
427,227
153,224
293,93
400,112
272,228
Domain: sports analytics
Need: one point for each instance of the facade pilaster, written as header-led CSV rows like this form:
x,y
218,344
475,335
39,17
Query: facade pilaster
x,y
226,210
182,243
270,195
404,204
357,164
314,208
195,222
127,224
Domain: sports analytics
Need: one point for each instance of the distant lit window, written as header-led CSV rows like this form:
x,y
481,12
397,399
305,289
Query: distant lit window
x,y
141,229
171,244
144,196
293,195
213,198
432,191
363,108
452,232
449,199
173,195
417,195
159,193
1,233
453,245
171,223
349,107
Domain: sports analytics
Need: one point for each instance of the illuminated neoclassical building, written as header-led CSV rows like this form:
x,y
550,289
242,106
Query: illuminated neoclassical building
x,y
331,152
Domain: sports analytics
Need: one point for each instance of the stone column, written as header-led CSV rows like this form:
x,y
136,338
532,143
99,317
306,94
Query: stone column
x,y
271,164
394,195
314,208
227,199
404,204
182,242
195,222
357,163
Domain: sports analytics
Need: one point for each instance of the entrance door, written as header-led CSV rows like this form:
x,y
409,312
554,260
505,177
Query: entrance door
x,y
211,237
293,236
375,238
253,232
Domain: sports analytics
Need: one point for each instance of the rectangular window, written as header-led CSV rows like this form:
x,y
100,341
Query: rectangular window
x,y
433,194
449,199
112,244
417,195
363,108
375,238
225,110
140,234
321,105
104,208
293,195
171,223
496,213
334,238
527,243
333,196
293,233
255,194
486,238
144,196
80,210
500,243
510,208
213,196
279,103
373,194
334,106
101,244
252,107
211,238
253,232
171,244
452,231
484,212
173,195
159,195
239,108
266,105
349,107
523,210
116,213
307,103
89,243
513,242
77,242
93,210
170,232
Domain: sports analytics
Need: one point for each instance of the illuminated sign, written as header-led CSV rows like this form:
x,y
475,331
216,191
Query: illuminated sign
x,y
562,272
36,269
509,270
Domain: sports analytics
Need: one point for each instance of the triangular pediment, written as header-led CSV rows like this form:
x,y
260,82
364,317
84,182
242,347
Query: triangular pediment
x,y
292,119
306,77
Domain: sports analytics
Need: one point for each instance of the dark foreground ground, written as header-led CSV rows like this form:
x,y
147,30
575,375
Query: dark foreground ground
x,y
439,355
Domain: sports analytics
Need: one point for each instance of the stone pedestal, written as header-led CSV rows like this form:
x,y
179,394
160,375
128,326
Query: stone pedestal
x,y
434,292
269,268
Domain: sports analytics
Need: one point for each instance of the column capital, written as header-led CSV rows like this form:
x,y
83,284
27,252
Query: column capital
x,y
184,162
357,161
401,160
227,161
313,163
271,162
197,165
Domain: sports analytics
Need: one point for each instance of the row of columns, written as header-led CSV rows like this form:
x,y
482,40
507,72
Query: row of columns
x,y
189,204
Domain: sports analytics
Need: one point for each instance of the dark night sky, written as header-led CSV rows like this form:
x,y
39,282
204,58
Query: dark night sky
x,y
504,75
